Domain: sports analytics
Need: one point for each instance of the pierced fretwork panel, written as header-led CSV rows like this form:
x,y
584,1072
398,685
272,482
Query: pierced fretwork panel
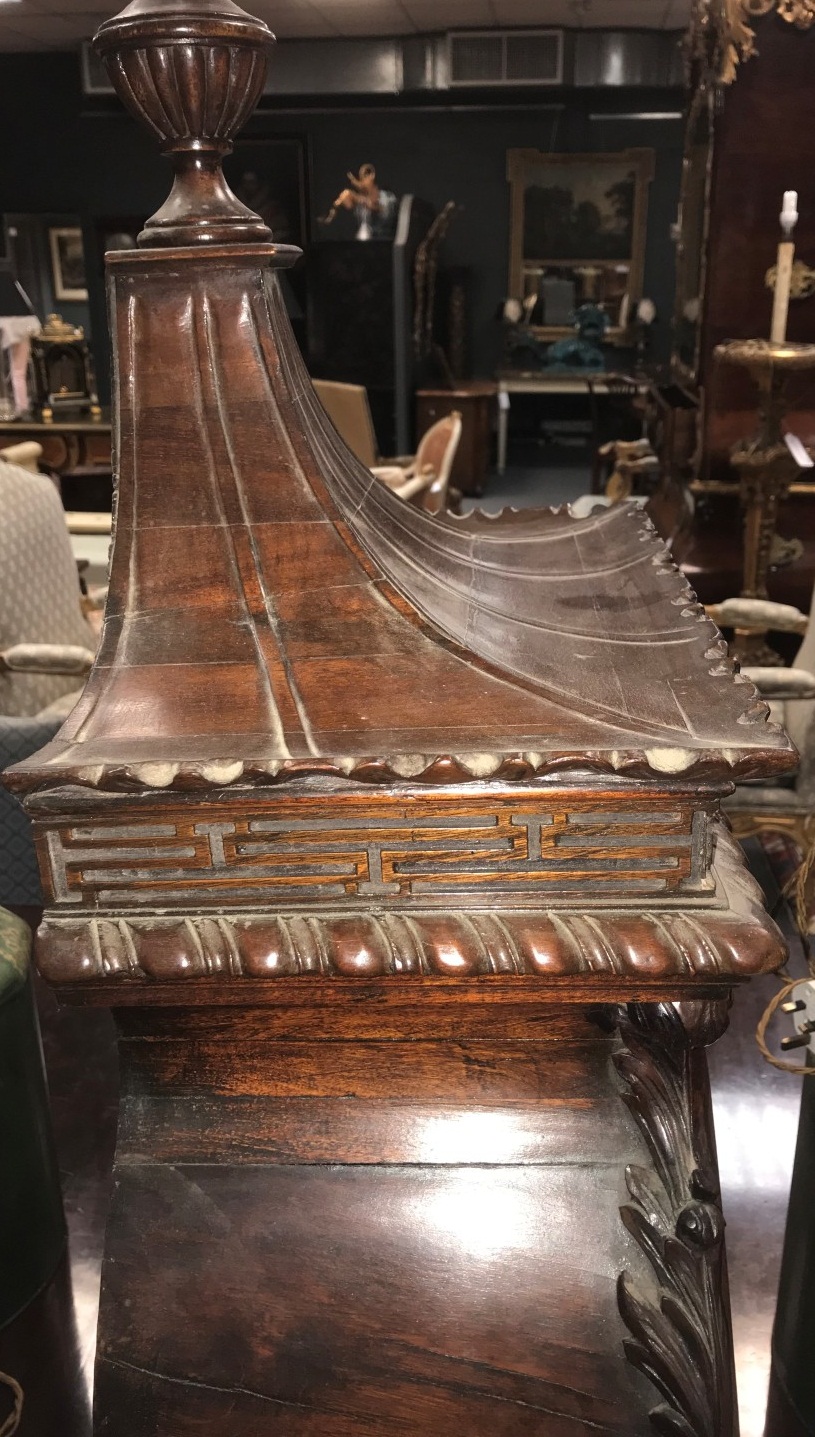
x,y
401,852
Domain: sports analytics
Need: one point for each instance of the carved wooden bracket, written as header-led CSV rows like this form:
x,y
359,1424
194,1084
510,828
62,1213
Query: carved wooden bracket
x,y
680,1339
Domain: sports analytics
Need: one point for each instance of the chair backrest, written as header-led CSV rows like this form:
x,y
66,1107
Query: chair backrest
x,y
349,411
437,452
40,600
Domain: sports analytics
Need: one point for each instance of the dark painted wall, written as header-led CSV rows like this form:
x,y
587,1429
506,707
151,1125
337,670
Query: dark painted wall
x,y
61,152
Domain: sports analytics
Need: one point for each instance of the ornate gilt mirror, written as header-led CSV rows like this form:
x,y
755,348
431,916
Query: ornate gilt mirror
x,y
577,235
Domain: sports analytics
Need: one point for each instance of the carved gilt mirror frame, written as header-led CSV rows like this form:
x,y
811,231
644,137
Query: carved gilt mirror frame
x,y
590,192
721,32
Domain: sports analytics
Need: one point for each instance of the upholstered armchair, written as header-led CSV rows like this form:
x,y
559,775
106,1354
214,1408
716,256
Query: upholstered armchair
x,y
46,649
425,478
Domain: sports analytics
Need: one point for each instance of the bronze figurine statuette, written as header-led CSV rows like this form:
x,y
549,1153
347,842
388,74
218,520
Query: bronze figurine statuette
x,y
394,843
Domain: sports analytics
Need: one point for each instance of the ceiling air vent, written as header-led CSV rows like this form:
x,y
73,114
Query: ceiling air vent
x,y
506,57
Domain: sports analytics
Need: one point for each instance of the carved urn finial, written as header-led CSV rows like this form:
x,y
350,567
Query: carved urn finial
x,y
192,71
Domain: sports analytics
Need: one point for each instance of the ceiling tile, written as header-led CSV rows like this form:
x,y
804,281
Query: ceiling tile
x,y
291,26
366,17
678,15
458,14
11,42
612,14
534,12
38,27
56,24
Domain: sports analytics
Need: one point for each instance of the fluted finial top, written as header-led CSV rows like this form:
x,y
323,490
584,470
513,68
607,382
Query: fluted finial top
x,y
192,71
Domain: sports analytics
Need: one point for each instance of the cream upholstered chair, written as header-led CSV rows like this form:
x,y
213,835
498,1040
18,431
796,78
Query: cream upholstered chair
x,y
790,692
425,478
349,411
46,649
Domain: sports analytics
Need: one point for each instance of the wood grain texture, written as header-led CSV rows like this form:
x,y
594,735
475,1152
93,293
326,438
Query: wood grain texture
x,y
383,1261
405,1300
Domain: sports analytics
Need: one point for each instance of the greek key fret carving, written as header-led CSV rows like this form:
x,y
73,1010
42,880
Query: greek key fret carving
x,y
392,857
734,939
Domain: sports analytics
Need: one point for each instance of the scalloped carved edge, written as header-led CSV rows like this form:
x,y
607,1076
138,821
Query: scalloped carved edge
x,y
733,941
519,767
681,1339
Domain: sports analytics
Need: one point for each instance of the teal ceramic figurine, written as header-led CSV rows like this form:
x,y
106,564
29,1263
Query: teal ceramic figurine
x,y
582,349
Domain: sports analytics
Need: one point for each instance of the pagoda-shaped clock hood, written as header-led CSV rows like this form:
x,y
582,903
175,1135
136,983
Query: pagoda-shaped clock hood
x,y
274,609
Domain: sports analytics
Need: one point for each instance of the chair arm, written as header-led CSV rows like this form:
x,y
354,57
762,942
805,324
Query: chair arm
x,y
25,455
392,474
79,522
414,486
46,659
780,683
758,614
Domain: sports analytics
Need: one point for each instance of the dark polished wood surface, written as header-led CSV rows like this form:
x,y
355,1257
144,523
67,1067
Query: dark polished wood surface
x,y
389,839
384,1267
749,1097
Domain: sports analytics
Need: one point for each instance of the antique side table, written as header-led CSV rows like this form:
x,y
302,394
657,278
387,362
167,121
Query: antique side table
x,y
394,843
69,442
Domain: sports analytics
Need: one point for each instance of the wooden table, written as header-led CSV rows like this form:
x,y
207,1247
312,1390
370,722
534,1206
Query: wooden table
x,y
394,843
543,383
69,442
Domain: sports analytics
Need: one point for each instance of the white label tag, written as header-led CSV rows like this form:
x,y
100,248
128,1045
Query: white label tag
x,y
798,452
503,399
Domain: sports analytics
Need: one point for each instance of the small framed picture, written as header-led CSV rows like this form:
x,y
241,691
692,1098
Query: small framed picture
x,y
68,263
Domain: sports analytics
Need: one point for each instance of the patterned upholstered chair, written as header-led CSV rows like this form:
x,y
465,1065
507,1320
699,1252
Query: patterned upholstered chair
x,y
790,692
46,649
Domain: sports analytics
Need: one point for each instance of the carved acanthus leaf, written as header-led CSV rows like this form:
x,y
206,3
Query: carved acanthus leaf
x,y
680,1339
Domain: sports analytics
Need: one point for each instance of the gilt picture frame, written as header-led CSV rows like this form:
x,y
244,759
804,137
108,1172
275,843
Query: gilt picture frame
x,y
580,220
